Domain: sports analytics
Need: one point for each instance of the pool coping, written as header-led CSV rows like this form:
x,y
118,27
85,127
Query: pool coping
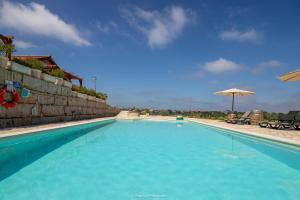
x,y
249,133
9,132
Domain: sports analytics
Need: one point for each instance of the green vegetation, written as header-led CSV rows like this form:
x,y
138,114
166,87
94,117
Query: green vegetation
x,y
194,114
6,49
200,114
91,92
271,116
57,73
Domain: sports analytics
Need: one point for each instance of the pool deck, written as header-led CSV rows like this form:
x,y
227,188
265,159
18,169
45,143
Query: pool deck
x,y
285,136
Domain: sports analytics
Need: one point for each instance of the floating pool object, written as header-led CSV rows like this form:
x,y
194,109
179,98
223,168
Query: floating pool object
x,y
179,117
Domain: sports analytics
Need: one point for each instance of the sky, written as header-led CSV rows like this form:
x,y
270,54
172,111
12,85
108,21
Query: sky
x,y
167,54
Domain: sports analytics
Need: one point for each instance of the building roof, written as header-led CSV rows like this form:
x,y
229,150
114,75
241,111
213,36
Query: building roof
x,y
48,60
7,39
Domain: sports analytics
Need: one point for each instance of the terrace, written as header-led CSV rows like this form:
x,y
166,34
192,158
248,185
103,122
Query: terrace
x,y
50,64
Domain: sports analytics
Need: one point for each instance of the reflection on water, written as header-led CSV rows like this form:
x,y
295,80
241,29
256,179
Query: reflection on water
x,y
280,153
17,152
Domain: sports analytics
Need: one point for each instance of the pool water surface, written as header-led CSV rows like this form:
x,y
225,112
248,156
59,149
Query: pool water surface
x,y
146,160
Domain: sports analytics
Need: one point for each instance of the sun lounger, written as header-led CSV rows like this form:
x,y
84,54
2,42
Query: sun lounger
x,y
245,119
228,120
232,116
263,124
284,121
297,124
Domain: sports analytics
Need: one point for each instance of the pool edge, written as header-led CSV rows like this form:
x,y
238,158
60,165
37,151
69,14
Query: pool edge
x,y
32,129
251,134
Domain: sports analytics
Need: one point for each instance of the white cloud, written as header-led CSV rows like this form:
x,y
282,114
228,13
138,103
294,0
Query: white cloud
x,y
160,28
234,35
106,28
23,45
221,65
36,19
270,64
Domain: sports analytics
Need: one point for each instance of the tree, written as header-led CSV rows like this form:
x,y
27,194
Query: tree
x,y
6,46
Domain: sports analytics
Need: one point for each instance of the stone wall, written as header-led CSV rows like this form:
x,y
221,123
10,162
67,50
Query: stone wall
x,y
49,102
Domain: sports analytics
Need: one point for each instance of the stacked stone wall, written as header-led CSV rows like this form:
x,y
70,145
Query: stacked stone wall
x,y
49,102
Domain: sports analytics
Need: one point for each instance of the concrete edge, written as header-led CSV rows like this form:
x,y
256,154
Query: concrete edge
x,y
250,133
36,128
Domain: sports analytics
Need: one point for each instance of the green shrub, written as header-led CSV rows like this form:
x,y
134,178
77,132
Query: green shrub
x,y
101,95
57,73
91,92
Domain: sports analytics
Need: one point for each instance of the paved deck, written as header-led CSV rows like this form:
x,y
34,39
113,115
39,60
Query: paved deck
x,y
286,135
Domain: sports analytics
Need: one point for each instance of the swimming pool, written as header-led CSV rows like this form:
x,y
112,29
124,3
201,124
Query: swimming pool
x,y
146,160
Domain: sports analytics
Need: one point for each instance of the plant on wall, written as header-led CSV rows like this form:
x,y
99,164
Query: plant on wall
x,y
91,92
57,73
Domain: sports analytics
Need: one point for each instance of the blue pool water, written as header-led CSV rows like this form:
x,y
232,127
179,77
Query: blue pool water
x,y
146,160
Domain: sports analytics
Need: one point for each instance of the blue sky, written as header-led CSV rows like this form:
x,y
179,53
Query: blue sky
x,y
167,54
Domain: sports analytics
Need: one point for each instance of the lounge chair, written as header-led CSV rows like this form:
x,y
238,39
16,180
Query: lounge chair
x,y
229,120
284,121
263,124
245,119
297,124
233,114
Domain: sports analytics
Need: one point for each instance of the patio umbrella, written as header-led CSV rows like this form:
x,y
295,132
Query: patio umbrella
x,y
291,76
234,92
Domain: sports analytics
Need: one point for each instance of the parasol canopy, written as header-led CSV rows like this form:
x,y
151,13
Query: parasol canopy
x,y
291,76
234,92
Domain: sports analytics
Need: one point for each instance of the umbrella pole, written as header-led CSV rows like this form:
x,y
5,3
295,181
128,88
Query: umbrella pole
x,y
232,102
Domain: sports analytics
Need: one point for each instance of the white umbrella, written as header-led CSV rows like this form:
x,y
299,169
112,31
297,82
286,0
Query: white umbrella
x,y
291,76
234,92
